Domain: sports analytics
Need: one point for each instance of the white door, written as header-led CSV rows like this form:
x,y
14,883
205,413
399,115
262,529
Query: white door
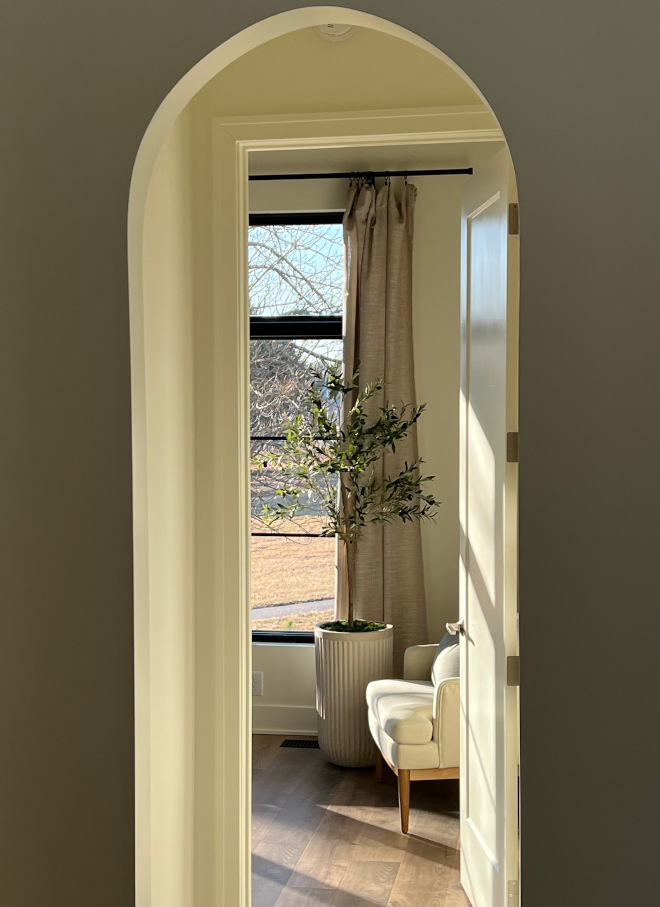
x,y
489,755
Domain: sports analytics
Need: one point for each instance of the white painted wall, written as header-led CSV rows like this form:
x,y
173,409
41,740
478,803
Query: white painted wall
x,y
288,705
436,285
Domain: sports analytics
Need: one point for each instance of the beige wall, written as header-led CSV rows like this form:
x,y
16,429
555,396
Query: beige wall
x,y
572,84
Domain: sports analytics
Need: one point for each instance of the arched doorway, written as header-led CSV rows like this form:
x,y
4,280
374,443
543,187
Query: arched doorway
x,y
189,412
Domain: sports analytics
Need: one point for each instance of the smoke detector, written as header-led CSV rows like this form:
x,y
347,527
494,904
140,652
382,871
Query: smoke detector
x,y
336,32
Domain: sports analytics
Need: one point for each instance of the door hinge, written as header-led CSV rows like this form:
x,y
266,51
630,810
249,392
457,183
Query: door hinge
x,y
512,447
513,670
514,227
512,893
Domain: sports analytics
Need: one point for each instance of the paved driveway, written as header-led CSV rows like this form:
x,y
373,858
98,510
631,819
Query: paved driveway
x,y
272,611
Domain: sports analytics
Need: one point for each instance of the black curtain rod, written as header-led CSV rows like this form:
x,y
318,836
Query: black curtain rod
x,y
365,174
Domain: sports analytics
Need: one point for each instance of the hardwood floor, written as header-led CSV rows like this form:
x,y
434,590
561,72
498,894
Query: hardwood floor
x,y
323,835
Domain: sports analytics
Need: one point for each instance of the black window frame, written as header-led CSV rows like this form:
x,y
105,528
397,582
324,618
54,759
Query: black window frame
x,y
300,327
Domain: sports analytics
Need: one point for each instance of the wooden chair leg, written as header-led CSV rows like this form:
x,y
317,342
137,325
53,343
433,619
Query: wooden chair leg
x,y
404,797
379,765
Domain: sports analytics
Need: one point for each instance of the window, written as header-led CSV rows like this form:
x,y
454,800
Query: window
x,y
295,287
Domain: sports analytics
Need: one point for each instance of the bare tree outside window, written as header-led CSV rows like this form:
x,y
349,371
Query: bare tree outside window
x,y
296,270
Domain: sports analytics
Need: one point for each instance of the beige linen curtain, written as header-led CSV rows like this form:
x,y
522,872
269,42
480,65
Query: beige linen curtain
x,y
378,233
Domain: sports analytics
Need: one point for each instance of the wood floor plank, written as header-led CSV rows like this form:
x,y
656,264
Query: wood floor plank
x,y
264,750
306,897
430,865
324,835
283,849
367,880
288,790
328,853
456,897
268,881
263,817
264,812
380,839
420,883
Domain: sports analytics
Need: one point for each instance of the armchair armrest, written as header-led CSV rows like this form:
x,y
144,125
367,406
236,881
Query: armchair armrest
x,y
446,721
417,662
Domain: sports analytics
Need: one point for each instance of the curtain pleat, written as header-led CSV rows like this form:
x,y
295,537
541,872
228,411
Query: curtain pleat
x,y
378,233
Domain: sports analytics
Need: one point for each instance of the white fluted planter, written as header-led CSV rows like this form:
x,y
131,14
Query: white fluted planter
x,y
345,664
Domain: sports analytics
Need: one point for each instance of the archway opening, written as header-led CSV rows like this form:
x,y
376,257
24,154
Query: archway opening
x,y
186,229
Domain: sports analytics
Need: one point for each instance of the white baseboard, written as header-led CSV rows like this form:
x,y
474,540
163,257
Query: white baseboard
x,y
284,719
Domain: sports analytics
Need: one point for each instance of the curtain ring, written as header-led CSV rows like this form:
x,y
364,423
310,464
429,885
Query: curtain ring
x,y
405,177
387,178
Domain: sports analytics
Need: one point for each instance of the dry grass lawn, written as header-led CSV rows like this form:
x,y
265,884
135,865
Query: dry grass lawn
x,y
288,570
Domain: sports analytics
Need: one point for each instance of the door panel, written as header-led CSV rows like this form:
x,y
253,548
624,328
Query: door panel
x,y
488,763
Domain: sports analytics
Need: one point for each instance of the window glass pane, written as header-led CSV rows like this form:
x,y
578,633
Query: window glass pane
x,y
296,270
293,582
281,371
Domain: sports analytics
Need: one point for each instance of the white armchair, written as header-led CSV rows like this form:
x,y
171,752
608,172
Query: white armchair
x,y
415,721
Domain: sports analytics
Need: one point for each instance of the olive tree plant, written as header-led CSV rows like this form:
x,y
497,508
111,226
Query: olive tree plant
x,y
332,453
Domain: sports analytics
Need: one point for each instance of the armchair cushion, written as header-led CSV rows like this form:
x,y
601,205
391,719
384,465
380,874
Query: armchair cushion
x,y
446,660
403,755
403,709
